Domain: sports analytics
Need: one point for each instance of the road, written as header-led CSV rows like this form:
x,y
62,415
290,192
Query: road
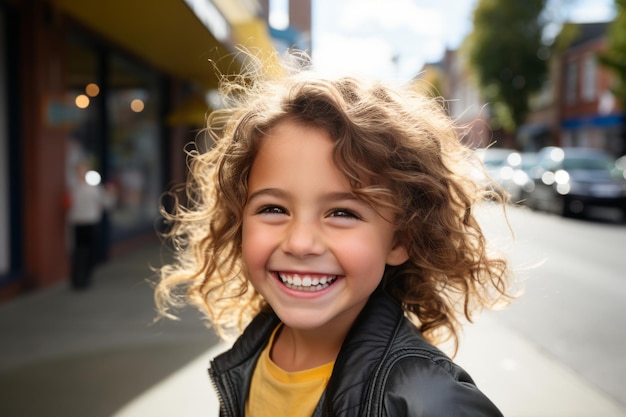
x,y
574,305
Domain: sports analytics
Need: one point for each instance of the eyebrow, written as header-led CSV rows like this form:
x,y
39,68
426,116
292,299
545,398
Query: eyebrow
x,y
273,192
276,192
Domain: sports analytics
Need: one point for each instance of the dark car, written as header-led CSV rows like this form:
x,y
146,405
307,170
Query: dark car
x,y
570,180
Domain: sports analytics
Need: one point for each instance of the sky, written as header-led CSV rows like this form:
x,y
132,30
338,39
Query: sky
x,y
393,39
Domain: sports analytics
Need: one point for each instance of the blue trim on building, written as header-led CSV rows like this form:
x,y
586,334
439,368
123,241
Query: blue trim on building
x,y
612,120
291,36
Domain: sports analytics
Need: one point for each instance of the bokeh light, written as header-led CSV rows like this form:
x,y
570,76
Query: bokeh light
x,y
81,101
92,177
92,89
137,105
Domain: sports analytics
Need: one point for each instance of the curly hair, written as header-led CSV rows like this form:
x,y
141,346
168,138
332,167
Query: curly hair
x,y
397,147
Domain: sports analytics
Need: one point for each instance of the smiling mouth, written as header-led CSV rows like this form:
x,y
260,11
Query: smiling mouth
x,y
304,282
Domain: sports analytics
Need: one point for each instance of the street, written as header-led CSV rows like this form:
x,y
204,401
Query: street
x,y
574,305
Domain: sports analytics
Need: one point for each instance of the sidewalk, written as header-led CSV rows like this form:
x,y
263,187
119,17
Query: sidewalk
x,y
88,354
98,354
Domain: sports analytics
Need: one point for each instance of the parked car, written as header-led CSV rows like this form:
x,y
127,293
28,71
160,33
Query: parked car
x,y
493,159
515,176
510,170
570,180
620,166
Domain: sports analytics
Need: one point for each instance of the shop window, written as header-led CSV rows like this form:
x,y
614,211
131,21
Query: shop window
x,y
113,122
81,114
133,103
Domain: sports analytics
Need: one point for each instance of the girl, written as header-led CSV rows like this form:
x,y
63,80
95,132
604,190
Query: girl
x,y
332,221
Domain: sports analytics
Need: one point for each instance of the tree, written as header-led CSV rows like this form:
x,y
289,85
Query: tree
x,y
507,56
614,58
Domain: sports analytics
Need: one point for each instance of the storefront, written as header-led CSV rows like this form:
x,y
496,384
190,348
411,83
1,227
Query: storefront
x,y
116,108
10,190
5,226
595,131
98,82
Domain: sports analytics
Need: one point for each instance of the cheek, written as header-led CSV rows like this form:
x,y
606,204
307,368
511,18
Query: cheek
x,y
247,243
253,246
367,256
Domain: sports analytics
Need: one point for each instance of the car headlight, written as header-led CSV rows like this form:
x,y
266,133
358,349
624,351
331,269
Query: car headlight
x,y
547,178
520,177
561,177
506,173
563,189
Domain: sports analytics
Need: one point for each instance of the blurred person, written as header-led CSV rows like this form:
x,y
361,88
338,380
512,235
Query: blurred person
x,y
331,228
87,201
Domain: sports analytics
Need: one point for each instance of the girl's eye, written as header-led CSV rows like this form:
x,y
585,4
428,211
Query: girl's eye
x,y
271,210
344,213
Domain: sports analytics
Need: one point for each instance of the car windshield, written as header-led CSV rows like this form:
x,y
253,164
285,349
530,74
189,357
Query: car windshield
x,y
528,161
572,164
493,158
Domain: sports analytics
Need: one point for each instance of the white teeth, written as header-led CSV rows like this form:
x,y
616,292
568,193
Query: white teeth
x,y
306,282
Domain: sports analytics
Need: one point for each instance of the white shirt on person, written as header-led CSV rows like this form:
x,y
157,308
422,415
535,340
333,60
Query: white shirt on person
x,y
88,202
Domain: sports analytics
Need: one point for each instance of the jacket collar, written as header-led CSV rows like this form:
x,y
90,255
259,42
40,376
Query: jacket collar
x,y
249,344
369,340
371,333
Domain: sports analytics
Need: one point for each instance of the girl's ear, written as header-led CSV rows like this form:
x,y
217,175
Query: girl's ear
x,y
397,256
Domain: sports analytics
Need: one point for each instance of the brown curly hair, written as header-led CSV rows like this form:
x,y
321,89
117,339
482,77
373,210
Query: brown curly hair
x,y
394,145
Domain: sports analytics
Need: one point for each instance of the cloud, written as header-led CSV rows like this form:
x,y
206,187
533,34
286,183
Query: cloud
x,y
390,39
368,56
592,12
366,35
391,15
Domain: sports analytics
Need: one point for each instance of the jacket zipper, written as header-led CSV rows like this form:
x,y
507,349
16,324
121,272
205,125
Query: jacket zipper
x,y
223,395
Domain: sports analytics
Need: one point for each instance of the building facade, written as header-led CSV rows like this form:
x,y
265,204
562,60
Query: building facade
x,y
113,83
574,108
294,26
589,114
464,102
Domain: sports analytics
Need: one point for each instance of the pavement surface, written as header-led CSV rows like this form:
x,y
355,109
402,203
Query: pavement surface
x,y
99,353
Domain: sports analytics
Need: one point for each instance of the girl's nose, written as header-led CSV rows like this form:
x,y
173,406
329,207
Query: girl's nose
x,y
303,239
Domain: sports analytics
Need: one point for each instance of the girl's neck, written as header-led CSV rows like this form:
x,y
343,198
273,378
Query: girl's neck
x,y
297,350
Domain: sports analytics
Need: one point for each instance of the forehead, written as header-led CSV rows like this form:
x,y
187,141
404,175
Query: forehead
x,y
295,161
293,151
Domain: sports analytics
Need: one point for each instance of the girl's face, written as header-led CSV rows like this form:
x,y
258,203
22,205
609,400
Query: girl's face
x,y
313,250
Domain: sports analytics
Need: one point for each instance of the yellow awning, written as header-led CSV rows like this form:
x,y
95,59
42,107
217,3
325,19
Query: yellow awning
x,y
253,35
165,33
192,112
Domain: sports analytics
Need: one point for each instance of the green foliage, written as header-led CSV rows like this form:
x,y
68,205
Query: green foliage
x,y
505,55
569,32
614,58
430,81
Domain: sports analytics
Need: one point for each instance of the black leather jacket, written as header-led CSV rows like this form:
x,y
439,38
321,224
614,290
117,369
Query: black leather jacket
x,y
384,368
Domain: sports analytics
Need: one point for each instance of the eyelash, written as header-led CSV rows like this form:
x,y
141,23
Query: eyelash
x,y
271,210
339,212
344,213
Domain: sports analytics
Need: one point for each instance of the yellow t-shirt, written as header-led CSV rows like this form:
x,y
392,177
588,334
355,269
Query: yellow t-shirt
x,y
276,393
